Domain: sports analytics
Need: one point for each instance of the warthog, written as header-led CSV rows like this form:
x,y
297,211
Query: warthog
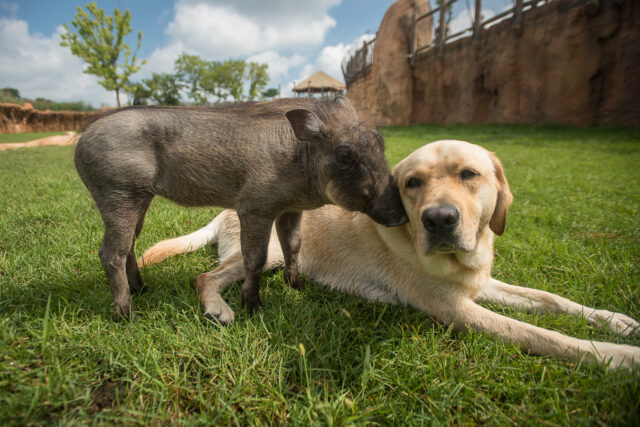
x,y
269,161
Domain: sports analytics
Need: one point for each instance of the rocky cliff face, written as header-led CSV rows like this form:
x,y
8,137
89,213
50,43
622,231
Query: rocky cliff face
x,y
384,95
23,118
567,67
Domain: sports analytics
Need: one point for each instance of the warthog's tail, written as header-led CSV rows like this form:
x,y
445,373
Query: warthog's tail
x,y
188,243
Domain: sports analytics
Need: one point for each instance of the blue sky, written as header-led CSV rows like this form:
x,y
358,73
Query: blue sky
x,y
295,37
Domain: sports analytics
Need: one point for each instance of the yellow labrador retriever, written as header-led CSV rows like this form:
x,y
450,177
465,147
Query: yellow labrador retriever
x,y
456,196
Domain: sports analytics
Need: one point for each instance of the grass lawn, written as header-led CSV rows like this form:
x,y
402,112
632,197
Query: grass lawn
x,y
574,229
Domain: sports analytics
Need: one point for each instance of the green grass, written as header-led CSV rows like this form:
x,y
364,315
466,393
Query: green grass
x,y
573,229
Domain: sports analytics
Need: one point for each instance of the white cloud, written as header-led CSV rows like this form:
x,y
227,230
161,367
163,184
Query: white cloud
x,y
281,33
161,60
273,12
329,60
463,20
279,66
222,29
39,67
253,29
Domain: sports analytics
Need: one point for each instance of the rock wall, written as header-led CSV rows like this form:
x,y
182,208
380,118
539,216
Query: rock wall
x,y
23,118
385,95
566,67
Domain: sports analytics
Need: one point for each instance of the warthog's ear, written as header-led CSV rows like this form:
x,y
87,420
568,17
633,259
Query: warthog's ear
x,y
499,217
342,101
304,123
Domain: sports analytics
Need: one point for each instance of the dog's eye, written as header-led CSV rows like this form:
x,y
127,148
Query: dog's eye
x,y
413,183
468,174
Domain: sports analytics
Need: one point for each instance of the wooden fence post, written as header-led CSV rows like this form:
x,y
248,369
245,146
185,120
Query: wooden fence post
x,y
443,27
477,21
516,26
414,37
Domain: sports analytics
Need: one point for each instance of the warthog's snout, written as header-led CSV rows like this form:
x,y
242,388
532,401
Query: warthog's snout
x,y
387,209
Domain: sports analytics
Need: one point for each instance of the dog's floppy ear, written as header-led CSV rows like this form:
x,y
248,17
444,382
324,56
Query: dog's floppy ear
x,y
499,217
305,124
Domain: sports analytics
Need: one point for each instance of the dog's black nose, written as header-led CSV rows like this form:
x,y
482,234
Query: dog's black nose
x,y
439,219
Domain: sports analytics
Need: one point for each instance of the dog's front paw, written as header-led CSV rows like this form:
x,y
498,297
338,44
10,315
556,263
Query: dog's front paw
x,y
219,311
619,356
223,318
619,323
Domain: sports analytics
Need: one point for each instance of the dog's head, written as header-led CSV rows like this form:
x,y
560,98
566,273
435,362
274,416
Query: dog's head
x,y
452,192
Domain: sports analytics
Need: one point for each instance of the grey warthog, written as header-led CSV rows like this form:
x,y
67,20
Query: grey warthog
x,y
269,161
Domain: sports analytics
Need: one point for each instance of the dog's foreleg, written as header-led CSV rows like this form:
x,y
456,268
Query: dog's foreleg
x,y
542,341
288,229
210,286
532,299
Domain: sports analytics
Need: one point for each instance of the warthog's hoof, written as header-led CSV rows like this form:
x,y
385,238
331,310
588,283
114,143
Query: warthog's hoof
x,y
138,288
293,281
123,310
251,302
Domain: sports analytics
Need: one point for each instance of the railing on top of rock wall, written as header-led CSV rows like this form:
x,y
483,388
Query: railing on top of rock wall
x,y
357,65
442,37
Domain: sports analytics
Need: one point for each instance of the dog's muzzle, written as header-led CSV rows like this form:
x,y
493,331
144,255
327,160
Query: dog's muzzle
x,y
440,222
441,219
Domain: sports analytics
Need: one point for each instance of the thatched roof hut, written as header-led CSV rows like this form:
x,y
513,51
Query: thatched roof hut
x,y
319,82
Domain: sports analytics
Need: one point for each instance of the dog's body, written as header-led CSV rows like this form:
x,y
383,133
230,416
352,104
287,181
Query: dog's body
x,y
268,160
456,196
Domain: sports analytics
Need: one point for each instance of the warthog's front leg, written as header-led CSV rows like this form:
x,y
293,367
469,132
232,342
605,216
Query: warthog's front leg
x,y
288,228
254,241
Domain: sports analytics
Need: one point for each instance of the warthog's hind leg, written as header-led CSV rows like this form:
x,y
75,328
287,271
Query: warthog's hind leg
x,y
136,286
121,214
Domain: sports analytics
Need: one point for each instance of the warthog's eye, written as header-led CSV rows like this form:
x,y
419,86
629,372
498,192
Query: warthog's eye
x,y
467,174
413,183
344,157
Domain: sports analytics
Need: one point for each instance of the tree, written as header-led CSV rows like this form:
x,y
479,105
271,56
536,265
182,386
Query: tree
x,y
258,79
138,93
164,88
221,79
193,70
227,78
99,41
270,93
10,92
